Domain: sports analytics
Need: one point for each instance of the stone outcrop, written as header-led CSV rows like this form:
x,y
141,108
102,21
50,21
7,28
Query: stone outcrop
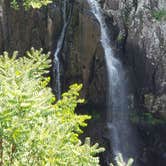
x,y
142,41
142,37
20,29
83,55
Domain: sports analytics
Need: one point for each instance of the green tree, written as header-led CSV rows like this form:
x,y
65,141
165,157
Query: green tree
x,y
35,129
30,3
159,14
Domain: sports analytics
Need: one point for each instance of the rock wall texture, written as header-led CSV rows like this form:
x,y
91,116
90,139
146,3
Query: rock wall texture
x,y
83,54
20,29
142,41
82,58
142,37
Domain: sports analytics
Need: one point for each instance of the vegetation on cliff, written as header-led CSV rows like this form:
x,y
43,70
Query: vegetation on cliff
x,y
159,14
30,3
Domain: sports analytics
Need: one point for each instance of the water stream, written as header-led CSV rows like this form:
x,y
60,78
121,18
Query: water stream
x,y
118,123
56,61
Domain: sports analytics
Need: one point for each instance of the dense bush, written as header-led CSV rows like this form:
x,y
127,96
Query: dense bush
x,y
159,15
34,128
30,3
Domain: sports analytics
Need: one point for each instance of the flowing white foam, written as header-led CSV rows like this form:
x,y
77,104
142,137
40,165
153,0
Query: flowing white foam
x,y
118,114
56,66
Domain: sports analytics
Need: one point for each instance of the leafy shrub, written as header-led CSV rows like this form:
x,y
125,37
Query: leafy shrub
x,y
30,3
159,15
34,128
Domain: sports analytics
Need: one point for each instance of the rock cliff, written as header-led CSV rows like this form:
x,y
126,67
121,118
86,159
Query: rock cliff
x,y
142,41
138,34
83,55
142,37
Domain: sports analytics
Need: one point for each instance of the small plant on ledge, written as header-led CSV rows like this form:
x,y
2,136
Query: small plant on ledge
x,y
120,161
159,15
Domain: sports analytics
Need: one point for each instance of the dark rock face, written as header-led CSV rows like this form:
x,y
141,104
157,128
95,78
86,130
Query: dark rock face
x,y
142,39
144,46
83,55
20,29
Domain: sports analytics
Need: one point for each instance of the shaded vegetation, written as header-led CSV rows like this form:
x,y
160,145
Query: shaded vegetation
x,y
159,15
146,117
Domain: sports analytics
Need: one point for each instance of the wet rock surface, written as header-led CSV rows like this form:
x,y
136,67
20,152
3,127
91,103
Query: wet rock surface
x,y
83,55
142,39
20,29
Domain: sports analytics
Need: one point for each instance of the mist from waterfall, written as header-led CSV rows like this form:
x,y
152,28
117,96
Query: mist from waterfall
x,y
121,132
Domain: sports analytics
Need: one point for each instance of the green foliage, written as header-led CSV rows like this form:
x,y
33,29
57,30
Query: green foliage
x,y
146,117
120,37
159,15
34,128
95,115
30,3
120,161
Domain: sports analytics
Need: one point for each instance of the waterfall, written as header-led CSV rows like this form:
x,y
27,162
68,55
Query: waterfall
x,y
121,131
56,61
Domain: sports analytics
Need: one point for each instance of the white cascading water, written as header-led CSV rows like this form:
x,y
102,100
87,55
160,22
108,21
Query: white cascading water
x,y
56,61
121,131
